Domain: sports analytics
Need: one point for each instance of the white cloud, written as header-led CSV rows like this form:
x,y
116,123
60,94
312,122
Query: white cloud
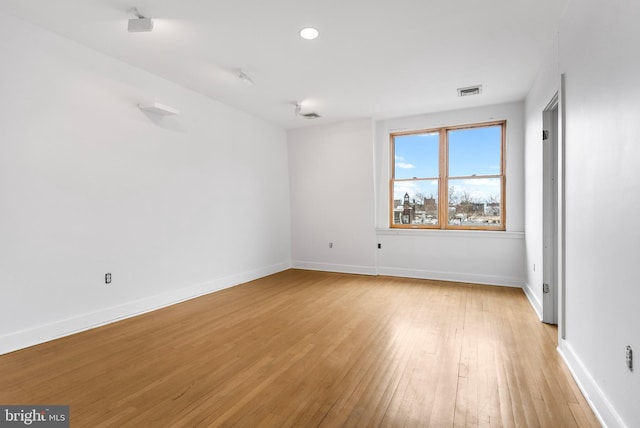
x,y
404,165
480,189
424,187
401,188
480,182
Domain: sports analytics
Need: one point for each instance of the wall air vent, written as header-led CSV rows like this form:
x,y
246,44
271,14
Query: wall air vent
x,y
470,90
310,115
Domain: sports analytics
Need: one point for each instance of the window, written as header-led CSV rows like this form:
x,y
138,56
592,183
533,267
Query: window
x,y
449,178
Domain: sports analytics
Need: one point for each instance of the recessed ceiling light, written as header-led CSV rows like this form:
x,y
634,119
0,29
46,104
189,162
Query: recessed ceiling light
x,y
309,33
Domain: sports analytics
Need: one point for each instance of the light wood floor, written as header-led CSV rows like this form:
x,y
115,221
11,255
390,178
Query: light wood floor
x,y
308,349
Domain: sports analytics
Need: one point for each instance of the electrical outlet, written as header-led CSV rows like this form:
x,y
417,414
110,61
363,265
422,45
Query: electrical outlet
x,y
379,246
330,244
629,357
107,278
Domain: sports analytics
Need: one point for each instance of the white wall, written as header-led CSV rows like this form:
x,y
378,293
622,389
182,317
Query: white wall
x,y
331,180
173,207
486,257
599,56
547,84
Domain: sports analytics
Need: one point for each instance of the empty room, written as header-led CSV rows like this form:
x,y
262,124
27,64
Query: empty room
x,y
319,214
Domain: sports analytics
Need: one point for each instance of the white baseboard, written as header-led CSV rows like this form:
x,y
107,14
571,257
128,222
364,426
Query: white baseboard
x,y
506,281
601,406
57,329
536,304
332,267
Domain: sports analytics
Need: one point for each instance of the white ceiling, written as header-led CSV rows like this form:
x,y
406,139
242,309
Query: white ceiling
x,y
374,58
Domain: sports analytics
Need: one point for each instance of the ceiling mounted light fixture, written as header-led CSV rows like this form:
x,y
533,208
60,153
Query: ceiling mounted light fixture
x,y
309,33
139,24
298,112
243,76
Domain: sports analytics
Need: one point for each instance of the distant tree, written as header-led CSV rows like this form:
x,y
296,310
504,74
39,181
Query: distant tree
x,y
453,196
493,202
453,201
468,205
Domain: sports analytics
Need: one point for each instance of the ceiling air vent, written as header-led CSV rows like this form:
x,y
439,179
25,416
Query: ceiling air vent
x,y
470,90
310,115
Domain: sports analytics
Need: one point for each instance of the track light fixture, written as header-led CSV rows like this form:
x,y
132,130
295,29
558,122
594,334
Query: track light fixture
x,y
140,23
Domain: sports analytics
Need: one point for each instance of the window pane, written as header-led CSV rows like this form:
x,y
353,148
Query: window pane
x,y
415,202
416,156
474,151
474,202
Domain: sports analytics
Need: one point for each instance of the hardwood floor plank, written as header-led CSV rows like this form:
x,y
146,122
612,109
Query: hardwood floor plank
x,y
311,349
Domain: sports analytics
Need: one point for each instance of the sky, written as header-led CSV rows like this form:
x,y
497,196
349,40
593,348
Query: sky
x,y
472,152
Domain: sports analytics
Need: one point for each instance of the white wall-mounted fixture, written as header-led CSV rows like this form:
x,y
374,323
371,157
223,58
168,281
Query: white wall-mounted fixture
x,y
140,23
309,33
470,90
298,112
243,76
158,108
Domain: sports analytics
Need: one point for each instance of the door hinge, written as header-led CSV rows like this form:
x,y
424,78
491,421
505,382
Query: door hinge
x,y
545,288
545,135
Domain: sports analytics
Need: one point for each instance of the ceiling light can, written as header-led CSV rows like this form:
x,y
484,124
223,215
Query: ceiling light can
x,y
309,33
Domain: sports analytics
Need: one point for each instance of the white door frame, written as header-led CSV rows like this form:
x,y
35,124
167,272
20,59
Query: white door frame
x,y
553,297
550,139
562,121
